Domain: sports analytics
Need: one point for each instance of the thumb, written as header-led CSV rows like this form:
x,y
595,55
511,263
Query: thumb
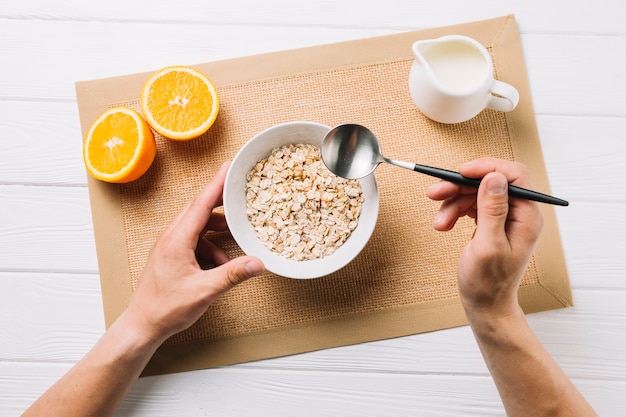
x,y
493,208
236,271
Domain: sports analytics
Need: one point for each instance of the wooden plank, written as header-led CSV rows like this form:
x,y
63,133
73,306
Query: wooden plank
x,y
576,74
594,245
577,18
283,392
46,229
584,156
554,66
131,48
42,144
61,320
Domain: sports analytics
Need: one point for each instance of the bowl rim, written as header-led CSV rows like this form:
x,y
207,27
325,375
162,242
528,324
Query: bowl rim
x,y
242,230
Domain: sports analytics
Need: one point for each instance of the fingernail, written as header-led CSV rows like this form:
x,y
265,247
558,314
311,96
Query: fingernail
x,y
497,185
439,218
466,165
224,166
435,187
254,267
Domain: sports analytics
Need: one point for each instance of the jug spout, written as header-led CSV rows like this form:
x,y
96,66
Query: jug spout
x,y
421,47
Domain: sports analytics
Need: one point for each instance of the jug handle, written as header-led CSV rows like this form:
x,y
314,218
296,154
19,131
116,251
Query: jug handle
x,y
505,99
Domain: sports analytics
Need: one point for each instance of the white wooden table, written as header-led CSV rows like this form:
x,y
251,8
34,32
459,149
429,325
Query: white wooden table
x,y
50,303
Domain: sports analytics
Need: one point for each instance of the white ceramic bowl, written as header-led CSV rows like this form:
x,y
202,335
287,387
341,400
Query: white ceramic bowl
x,y
259,147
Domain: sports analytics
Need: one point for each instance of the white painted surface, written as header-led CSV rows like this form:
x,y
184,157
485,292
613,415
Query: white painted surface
x,y
50,304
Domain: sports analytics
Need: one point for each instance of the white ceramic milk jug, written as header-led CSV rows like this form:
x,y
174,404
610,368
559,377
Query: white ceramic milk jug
x,y
451,80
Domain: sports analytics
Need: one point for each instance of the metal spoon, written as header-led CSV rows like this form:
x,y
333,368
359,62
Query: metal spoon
x,y
353,151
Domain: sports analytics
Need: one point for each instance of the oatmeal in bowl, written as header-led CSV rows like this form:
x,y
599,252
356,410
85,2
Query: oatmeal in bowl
x,y
284,206
297,207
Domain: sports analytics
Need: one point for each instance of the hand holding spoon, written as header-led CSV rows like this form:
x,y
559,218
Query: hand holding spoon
x,y
353,151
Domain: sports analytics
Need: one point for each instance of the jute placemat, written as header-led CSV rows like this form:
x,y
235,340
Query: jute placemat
x,y
404,282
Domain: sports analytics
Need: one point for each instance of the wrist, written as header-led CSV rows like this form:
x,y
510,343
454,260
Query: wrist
x,y
134,336
489,305
494,324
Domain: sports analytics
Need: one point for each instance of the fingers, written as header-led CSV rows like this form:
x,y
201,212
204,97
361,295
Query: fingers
x,y
524,216
454,208
233,273
459,201
444,190
208,254
217,222
493,209
514,172
192,221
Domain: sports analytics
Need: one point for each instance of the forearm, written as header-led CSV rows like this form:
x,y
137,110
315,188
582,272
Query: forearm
x,y
98,383
529,381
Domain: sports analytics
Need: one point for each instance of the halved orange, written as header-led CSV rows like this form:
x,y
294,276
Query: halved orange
x,y
179,102
119,146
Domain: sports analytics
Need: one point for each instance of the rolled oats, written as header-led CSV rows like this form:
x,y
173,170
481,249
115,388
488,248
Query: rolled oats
x,y
297,207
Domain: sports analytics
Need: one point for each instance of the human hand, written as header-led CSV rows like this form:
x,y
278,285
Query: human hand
x,y
492,264
174,291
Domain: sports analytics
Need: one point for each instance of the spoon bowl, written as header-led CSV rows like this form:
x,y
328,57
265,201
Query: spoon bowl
x,y
353,151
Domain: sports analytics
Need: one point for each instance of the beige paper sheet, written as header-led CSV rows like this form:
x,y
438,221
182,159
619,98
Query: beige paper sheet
x,y
404,282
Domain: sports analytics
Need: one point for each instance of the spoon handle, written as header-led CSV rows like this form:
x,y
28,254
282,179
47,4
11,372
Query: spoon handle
x,y
514,191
